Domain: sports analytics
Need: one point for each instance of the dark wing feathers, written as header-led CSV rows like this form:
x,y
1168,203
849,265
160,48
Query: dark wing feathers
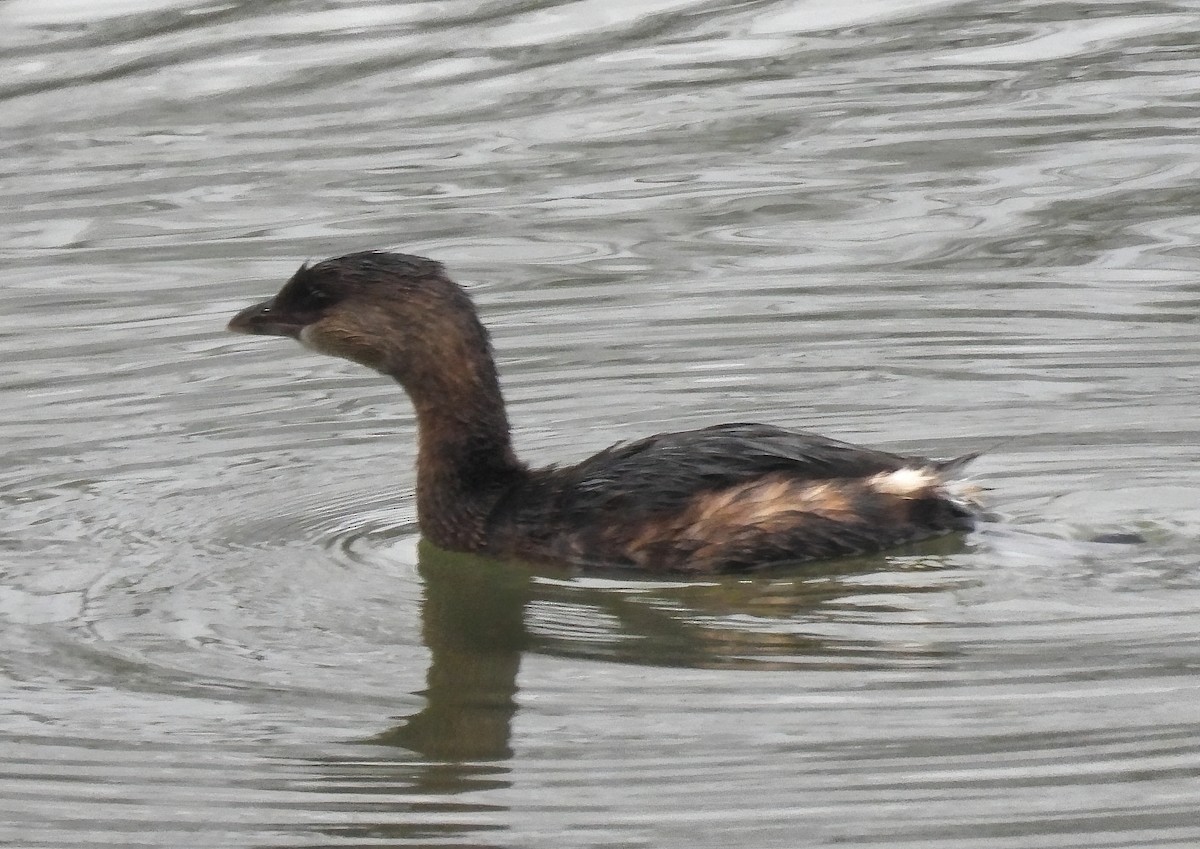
x,y
607,506
664,472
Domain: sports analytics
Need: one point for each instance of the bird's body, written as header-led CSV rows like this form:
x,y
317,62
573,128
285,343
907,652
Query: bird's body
x,y
733,497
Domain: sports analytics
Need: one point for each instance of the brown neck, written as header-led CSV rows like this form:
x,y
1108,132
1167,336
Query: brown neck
x,y
465,460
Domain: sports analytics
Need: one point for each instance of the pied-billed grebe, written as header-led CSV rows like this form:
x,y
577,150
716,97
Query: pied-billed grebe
x,y
727,498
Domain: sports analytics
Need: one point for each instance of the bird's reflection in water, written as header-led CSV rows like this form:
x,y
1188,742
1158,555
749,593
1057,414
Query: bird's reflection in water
x,y
479,616
472,620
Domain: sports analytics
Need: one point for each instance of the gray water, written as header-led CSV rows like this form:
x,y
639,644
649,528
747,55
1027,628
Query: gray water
x,y
930,226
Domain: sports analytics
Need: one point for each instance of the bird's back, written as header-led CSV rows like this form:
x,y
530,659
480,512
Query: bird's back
x,y
728,498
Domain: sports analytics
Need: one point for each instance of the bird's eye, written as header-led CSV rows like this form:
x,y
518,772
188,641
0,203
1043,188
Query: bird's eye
x,y
314,297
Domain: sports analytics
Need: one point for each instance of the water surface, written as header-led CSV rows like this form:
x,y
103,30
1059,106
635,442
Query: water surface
x,y
934,227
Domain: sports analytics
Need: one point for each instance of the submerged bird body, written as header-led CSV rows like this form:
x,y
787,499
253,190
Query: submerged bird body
x,y
727,498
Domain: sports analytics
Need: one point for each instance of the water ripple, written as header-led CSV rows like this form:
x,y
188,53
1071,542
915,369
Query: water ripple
x,y
930,226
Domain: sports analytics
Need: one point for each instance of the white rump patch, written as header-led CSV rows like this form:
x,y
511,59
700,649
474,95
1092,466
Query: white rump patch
x,y
906,483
